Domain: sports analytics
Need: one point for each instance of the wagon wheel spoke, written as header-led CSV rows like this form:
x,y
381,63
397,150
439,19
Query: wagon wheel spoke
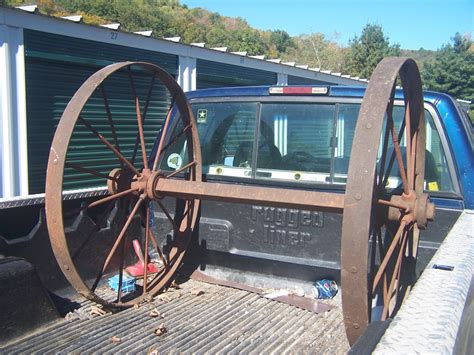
x,y
385,138
147,217
164,132
90,235
108,145
121,267
111,198
373,247
145,111
382,253
413,251
392,204
393,287
109,116
399,157
74,212
412,160
381,180
90,171
147,236
388,255
174,139
180,170
139,118
158,249
392,156
118,241
168,215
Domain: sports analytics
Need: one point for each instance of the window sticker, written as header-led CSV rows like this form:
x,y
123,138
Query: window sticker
x,y
175,161
202,115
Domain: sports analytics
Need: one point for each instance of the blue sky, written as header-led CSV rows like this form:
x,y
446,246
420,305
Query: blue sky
x,y
411,23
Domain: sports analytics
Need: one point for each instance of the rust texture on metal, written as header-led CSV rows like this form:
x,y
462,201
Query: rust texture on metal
x,y
376,219
274,197
370,210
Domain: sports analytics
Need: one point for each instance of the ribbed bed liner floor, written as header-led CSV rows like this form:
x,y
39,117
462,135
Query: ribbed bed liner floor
x,y
197,317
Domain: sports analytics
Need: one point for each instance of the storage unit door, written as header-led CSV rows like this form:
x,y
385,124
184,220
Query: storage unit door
x,y
213,75
56,66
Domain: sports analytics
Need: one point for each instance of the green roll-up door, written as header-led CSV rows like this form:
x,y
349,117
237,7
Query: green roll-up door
x,y
56,66
297,80
212,74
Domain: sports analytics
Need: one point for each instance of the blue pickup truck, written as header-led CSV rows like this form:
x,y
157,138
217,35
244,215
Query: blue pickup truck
x,y
294,142
262,136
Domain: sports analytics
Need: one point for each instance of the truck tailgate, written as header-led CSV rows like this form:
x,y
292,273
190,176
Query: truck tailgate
x,y
197,317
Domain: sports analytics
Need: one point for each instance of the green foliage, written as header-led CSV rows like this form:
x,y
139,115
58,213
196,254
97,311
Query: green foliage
x,y
281,40
368,50
11,3
452,69
421,56
317,51
169,18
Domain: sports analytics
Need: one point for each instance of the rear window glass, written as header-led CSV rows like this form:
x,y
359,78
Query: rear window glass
x,y
296,142
227,134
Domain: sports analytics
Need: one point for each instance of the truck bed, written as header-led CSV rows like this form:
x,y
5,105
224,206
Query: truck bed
x,y
196,317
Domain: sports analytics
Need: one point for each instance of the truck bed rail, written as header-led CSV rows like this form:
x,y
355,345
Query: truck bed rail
x,y
429,319
38,199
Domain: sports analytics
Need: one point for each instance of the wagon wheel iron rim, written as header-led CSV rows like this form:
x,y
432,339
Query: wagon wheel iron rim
x,y
130,184
381,224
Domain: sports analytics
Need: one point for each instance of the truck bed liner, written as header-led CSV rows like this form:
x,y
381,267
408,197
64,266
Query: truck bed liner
x,y
216,319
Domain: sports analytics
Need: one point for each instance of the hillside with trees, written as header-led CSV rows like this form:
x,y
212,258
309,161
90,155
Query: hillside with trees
x,y
449,69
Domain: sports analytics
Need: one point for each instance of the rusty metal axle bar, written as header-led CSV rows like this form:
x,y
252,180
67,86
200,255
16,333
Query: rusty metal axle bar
x,y
268,196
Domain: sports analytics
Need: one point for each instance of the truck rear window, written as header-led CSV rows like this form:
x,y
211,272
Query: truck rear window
x,y
296,142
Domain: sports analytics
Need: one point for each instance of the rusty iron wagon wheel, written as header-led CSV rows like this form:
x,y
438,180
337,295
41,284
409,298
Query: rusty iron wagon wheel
x,y
381,220
90,123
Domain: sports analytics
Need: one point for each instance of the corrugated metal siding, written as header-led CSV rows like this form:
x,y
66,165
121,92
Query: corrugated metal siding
x,y
74,48
297,80
56,66
315,138
213,74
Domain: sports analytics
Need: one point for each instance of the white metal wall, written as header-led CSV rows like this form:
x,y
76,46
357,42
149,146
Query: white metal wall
x,y
13,142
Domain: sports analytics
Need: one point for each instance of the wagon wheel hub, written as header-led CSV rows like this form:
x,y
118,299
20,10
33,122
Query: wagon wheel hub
x,y
413,208
119,180
141,181
151,188
143,184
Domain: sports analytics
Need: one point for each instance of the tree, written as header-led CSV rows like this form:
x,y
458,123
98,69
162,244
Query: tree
x,y
282,40
317,51
452,69
366,51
